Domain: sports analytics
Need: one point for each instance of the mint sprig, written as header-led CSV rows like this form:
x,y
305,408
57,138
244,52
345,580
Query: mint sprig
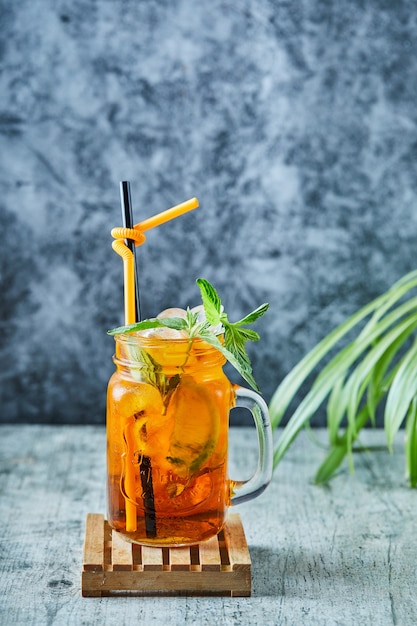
x,y
235,336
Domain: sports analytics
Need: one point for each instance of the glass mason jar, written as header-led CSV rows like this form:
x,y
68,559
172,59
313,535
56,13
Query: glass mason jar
x,y
168,408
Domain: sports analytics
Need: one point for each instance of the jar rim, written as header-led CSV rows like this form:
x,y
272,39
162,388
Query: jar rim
x,y
181,347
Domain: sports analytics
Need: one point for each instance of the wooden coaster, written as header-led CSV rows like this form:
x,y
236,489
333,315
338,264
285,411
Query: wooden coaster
x,y
112,566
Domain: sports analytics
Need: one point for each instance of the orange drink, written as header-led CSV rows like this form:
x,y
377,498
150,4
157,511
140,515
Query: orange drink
x,y
167,440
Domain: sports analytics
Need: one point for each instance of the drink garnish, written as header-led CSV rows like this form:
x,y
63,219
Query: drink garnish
x,y
235,334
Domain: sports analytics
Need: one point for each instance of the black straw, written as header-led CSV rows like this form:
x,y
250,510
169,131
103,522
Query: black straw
x,y
127,218
145,470
145,467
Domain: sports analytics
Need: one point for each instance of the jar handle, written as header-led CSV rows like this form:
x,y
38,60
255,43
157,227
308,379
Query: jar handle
x,y
248,489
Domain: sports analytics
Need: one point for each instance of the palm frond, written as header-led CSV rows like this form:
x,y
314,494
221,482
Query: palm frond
x,y
411,443
357,378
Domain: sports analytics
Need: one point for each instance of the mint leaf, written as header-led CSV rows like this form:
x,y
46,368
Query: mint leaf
x,y
252,317
249,335
211,301
234,342
241,365
176,323
192,318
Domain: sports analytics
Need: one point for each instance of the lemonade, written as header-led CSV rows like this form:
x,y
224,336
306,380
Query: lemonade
x,y
168,407
167,423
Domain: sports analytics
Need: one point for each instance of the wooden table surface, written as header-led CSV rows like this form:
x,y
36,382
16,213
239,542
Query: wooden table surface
x,y
346,554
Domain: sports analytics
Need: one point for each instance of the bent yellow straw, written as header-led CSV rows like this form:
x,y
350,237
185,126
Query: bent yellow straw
x,y
136,235
130,316
167,215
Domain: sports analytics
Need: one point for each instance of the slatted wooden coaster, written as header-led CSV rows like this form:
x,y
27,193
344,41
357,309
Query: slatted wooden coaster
x,y
112,566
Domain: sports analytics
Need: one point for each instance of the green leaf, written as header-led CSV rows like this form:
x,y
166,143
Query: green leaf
x,y
401,394
252,317
211,301
362,373
293,381
338,452
411,443
248,335
191,318
235,342
328,467
176,323
240,364
336,407
369,364
377,381
337,367
391,297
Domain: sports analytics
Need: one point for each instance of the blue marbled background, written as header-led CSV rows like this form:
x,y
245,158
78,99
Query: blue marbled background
x,y
294,123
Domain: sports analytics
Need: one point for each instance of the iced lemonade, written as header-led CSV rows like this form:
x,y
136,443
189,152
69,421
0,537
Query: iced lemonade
x,y
167,424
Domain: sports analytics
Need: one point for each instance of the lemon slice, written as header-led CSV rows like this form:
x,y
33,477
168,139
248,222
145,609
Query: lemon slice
x,y
196,429
147,428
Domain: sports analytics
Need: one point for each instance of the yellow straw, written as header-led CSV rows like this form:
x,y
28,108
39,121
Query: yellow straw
x,y
136,234
119,246
167,215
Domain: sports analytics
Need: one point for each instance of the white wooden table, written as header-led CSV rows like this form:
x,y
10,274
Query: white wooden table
x,y
345,555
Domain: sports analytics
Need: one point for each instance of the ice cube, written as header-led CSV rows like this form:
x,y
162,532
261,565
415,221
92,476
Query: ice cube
x,y
171,333
173,312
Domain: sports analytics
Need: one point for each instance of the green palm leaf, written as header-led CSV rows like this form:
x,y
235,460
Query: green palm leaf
x,y
401,394
336,407
293,381
379,371
411,443
363,371
339,451
330,375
